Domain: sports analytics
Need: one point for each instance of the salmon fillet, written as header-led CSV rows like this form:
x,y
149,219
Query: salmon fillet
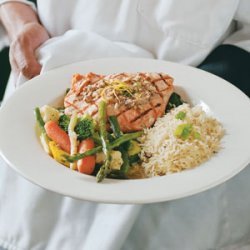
x,y
136,99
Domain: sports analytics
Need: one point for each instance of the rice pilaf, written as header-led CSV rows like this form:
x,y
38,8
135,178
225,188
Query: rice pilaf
x,y
182,139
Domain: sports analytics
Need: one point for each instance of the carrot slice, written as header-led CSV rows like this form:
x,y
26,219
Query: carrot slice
x,y
87,164
58,135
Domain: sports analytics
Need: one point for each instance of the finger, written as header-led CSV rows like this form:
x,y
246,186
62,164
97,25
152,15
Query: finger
x,y
28,64
26,61
31,69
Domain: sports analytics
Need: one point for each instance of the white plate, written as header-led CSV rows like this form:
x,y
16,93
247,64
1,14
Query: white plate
x,y
21,149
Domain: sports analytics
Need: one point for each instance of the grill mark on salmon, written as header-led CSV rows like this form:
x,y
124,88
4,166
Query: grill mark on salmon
x,y
137,99
145,112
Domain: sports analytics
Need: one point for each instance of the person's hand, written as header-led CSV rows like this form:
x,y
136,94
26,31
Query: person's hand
x,y
22,49
26,34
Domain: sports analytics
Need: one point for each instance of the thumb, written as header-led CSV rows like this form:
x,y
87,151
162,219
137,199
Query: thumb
x,y
31,68
27,62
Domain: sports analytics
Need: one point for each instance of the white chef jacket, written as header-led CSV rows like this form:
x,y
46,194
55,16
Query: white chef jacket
x,y
180,31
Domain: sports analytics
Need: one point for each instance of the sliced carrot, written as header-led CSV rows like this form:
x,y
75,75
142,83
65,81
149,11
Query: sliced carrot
x,y
58,135
87,164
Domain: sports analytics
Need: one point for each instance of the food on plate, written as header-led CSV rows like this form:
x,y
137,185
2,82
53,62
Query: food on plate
x,y
125,126
58,135
87,164
182,139
136,99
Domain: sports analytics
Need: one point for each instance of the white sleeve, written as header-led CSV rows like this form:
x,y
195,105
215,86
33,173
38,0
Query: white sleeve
x,y
242,13
31,4
241,37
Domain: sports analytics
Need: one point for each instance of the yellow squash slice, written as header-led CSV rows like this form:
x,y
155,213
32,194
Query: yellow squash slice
x,y
58,154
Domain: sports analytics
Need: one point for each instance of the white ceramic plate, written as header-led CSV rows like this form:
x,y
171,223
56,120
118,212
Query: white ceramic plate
x,y
21,149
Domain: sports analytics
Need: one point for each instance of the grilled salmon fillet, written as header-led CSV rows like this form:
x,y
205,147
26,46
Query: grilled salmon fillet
x,y
136,99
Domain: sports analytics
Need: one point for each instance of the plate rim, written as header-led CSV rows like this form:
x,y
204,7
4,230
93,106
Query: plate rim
x,y
143,201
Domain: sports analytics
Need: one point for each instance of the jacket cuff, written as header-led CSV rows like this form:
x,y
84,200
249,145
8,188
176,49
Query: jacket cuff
x,y
31,4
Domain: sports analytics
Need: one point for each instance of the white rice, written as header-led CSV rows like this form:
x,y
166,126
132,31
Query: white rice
x,y
163,153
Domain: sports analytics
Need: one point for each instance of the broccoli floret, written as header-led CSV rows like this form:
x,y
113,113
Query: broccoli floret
x,y
174,101
84,128
63,122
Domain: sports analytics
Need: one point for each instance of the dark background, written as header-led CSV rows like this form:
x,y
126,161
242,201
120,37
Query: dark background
x,y
5,70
